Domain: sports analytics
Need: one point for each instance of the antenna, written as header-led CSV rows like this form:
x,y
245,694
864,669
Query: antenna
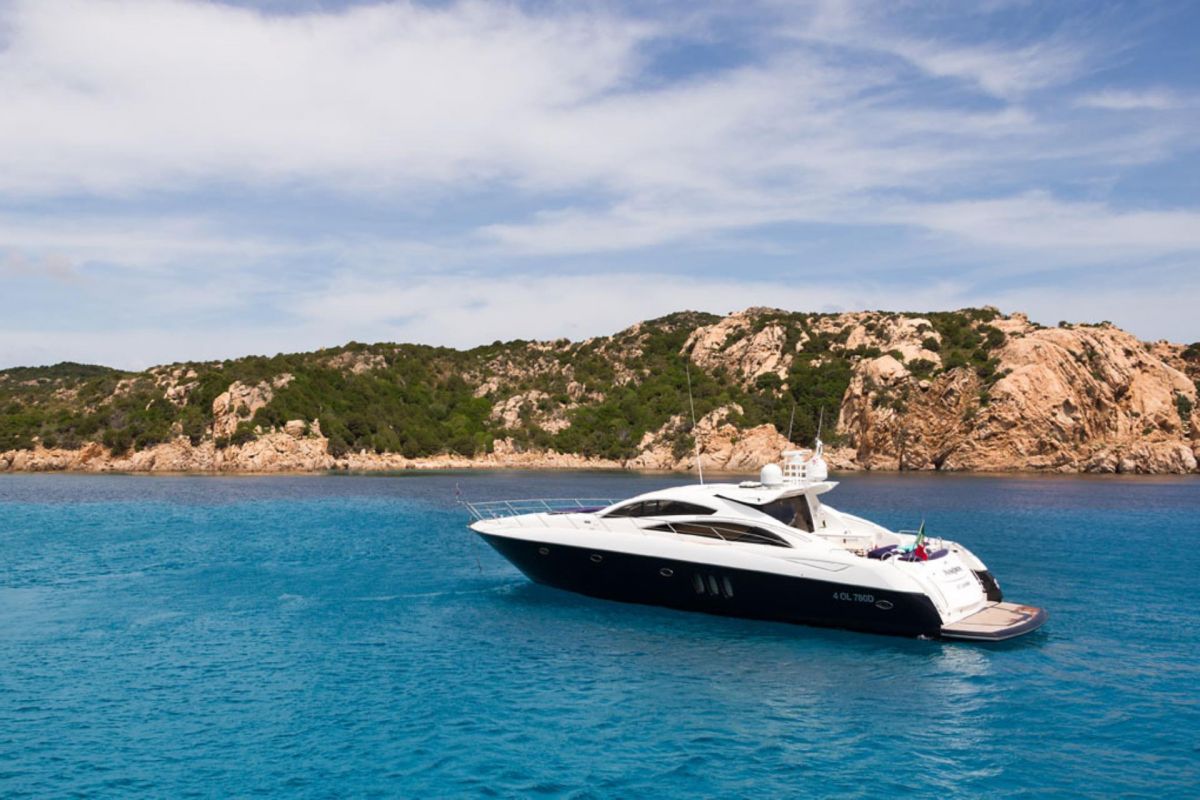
x,y
791,420
692,406
820,422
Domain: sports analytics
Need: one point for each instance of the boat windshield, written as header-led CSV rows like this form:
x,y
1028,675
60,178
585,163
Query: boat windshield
x,y
792,511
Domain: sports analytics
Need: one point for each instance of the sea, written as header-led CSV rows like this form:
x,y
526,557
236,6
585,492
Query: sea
x,y
327,636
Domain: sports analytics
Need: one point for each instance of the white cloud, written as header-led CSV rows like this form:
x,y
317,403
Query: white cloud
x,y
633,225
1127,100
18,264
1003,71
163,93
1152,307
143,241
170,95
464,311
137,347
1064,232
1037,222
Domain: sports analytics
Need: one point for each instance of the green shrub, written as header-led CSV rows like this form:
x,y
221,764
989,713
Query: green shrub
x,y
244,434
922,367
117,440
1183,405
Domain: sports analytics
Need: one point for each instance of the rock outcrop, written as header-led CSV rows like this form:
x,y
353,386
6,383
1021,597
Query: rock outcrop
x,y
718,445
739,345
532,406
1080,399
239,402
357,363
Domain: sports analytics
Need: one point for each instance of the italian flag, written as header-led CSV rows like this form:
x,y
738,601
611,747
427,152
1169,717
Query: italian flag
x,y
919,545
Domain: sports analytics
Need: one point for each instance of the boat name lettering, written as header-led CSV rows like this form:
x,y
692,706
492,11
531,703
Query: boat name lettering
x,y
854,597
952,571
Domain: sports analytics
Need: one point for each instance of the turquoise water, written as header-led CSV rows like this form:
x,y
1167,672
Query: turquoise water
x,y
344,636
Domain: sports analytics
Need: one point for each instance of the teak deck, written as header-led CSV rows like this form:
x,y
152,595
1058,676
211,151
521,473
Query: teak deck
x,y
996,622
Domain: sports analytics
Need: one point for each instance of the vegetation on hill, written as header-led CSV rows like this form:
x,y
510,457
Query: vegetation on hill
x,y
598,397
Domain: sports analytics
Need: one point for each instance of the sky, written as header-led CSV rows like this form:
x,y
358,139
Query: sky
x,y
192,179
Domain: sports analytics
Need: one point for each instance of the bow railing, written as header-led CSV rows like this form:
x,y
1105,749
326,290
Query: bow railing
x,y
498,509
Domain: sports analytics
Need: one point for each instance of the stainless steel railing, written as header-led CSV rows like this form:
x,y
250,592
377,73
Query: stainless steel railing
x,y
498,509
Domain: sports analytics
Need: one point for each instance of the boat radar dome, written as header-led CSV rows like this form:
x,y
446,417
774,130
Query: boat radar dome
x,y
771,475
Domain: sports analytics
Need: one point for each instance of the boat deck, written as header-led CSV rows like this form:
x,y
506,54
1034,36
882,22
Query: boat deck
x,y
996,622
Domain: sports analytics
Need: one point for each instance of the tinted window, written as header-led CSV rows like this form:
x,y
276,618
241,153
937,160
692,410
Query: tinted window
x,y
729,531
630,510
791,511
675,508
660,508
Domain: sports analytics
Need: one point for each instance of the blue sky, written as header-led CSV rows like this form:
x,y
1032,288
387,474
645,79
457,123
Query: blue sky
x,y
187,180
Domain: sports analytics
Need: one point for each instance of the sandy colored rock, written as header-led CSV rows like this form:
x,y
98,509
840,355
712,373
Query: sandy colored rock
x,y
176,383
239,402
885,371
1086,398
892,332
356,363
509,412
734,344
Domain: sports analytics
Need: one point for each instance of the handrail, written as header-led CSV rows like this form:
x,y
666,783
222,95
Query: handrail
x,y
498,509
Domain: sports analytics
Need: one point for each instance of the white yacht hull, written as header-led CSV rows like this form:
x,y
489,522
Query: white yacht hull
x,y
875,596
767,549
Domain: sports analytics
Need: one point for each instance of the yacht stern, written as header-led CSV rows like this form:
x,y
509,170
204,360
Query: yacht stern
x,y
996,622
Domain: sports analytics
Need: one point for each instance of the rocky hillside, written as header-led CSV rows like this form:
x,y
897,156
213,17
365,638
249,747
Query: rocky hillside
x,y
963,390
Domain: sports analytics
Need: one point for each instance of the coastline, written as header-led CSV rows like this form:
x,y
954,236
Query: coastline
x,y
307,457
966,391
727,476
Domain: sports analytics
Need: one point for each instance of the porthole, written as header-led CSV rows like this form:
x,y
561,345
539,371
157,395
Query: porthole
x,y
713,589
543,551
666,572
597,558
886,605
727,586
698,583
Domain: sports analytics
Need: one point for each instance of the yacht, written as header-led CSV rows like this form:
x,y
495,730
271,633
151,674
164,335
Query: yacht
x,y
768,549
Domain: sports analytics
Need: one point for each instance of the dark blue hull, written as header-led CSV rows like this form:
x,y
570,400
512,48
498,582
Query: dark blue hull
x,y
720,590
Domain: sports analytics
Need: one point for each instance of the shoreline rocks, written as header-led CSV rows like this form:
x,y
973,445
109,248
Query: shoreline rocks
x,y
728,451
